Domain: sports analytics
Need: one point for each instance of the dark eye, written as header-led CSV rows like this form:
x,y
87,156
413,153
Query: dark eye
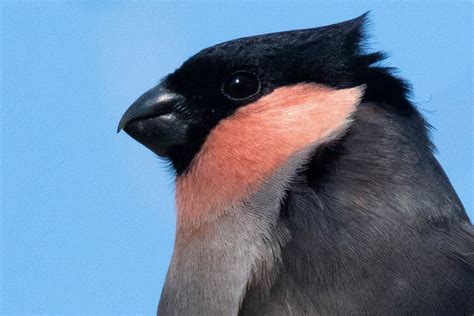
x,y
241,85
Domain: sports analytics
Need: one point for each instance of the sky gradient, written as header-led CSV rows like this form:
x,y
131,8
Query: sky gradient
x,y
88,219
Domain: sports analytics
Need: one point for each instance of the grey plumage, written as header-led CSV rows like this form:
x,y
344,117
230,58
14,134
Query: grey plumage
x,y
376,228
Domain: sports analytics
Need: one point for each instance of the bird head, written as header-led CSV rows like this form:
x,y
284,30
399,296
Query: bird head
x,y
174,118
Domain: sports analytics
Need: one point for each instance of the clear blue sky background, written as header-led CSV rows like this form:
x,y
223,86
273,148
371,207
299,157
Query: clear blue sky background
x,y
87,215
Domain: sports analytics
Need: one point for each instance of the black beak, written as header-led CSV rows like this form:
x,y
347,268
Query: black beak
x,y
153,121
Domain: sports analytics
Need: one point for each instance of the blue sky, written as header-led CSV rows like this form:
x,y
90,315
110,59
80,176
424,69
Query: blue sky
x,y
88,215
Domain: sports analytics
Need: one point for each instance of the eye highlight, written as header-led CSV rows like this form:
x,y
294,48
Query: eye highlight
x,y
241,85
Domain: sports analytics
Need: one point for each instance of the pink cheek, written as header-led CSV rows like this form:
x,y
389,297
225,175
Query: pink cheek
x,y
247,147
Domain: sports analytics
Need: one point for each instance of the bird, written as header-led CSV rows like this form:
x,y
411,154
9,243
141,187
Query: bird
x,y
306,183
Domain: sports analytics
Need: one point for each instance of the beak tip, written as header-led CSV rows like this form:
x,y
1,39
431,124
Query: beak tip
x,y
120,126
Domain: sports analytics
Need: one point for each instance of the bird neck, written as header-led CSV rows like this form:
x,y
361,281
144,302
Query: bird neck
x,y
229,236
